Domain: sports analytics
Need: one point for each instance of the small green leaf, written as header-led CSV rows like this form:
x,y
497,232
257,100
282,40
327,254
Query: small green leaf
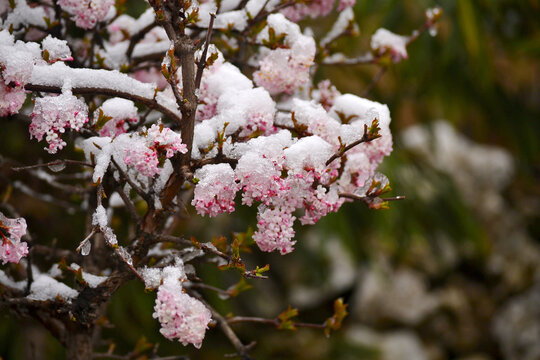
x,y
142,345
334,323
101,120
285,322
259,271
239,287
220,242
46,55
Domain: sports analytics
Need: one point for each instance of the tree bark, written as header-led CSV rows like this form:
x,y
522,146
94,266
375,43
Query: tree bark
x,y
79,344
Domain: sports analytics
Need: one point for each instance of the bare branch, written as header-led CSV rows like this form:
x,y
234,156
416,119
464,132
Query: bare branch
x,y
202,61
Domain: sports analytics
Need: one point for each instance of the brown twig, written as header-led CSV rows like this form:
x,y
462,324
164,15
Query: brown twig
x,y
52,163
202,61
135,38
365,198
374,81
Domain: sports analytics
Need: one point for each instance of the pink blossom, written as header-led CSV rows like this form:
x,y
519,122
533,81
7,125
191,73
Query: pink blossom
x,y
52,115
216,189
86,13
145,151
314,9
151,75
11,247
327,94
284,70
144,159
343,4
11,99
181,316
275,230
260,178
319,203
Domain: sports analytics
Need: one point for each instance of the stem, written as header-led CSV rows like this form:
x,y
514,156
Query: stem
x,y
374,81
202,61
79,344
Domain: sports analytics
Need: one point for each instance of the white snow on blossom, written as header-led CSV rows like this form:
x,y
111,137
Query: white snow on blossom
x,y
16,62
158,141
52,115
181,316
56,48
283,70
12,249
215,190
218,79
249,110
11,99
384,41
121,112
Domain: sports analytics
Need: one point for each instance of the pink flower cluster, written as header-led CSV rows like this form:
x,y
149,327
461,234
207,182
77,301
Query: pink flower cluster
x,y
314,9
146,151
284,174
275,230
260,177
12,249
11,99
52,115
181,316
286,68
215,190
327,94
86,13
343,4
